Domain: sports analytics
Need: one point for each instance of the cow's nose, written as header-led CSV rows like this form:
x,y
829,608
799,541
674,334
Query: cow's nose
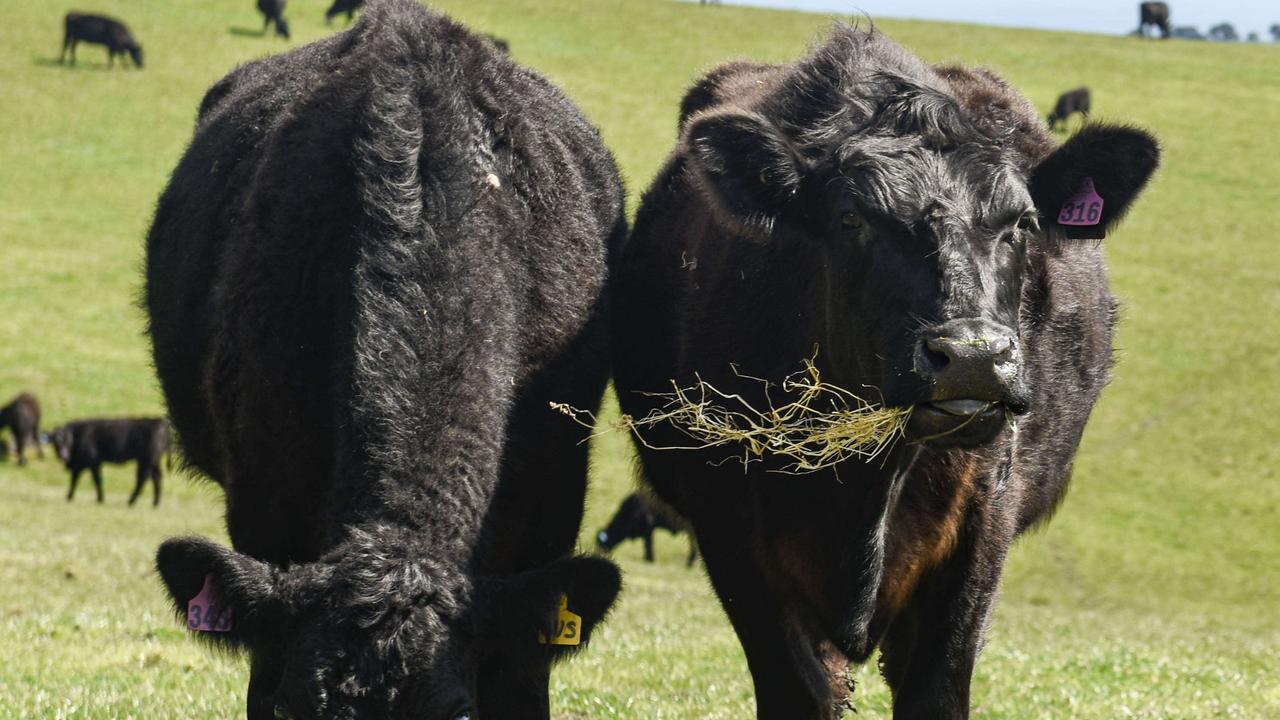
x,y
968,362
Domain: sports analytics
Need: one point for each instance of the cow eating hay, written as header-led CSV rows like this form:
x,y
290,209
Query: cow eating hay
x,y
921,226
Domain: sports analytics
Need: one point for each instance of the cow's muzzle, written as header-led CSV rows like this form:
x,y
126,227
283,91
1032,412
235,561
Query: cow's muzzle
x,y
972,369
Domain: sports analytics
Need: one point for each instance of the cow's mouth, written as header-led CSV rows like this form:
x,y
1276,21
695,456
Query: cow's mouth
x,y
958,422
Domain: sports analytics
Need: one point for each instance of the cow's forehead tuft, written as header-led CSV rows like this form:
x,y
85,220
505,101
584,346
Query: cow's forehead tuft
x,y
860,82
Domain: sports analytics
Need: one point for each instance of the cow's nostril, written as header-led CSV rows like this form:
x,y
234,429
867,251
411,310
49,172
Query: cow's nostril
x,y
934,356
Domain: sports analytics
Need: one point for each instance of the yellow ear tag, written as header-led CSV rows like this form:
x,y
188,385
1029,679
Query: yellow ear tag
x,y
568,626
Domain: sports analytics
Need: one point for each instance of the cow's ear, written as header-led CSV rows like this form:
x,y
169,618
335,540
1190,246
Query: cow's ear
x,y
555,607
746,168
248,588
1086,185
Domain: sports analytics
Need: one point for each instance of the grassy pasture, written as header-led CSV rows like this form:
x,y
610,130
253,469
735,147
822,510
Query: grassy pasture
x,y
1155,593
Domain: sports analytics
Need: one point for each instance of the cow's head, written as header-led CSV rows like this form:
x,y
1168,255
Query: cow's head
x,y
633,519
60,438
135,52
370,632
920,194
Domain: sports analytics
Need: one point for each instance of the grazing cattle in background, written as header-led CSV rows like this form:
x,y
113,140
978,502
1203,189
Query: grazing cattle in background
x,y
273,12
380,260
342,6
638,517
904,219
1069,103
1154,15
86,444
499,43
99,30
22,417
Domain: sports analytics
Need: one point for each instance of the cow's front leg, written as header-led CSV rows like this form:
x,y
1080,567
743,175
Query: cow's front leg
x,y
75,480
96,470
929,652
139,478
791,680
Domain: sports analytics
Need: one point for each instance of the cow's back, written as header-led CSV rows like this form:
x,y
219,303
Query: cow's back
x,y
341,211
99,29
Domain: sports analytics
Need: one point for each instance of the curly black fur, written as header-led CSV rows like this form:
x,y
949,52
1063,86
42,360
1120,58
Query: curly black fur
x,y
864,203
380,259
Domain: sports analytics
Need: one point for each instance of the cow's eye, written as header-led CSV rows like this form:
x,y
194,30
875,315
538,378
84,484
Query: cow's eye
x,y
1028,223
852,221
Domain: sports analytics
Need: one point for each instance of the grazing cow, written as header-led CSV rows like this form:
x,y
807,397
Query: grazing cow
x,y
22,417
638,517
1154,15
499,43
342,6
86,444
273,12
380,260
1069,103
99,30
903,219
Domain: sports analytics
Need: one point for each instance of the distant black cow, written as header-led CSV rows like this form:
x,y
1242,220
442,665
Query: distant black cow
x,y
365,288
22,417
1069,102
343,6
638,517
499,43
1153,15
273,12
99,30
86,444
911,223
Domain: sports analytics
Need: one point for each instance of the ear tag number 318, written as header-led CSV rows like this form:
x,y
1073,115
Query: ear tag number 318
x,y
568,627
1083,208
207,612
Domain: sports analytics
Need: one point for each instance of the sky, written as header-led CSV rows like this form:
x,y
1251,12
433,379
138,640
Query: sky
x,y
1114,17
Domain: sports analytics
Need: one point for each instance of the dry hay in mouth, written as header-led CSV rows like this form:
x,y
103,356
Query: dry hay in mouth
x,y
823,426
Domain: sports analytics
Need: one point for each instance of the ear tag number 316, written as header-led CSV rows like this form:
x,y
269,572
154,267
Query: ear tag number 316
x,y
1083,208
568,627
207,612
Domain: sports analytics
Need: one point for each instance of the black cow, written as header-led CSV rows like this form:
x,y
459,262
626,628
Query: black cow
x,y
86,444
342,6
22,417
365,288
1153,15
904,220
99,30
273,12
500,43
1069,103
638,517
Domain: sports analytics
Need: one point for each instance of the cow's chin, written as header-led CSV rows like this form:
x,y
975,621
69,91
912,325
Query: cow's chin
x,y
956,423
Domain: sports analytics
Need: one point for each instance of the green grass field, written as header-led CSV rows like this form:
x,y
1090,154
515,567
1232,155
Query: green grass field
x,y
1155,593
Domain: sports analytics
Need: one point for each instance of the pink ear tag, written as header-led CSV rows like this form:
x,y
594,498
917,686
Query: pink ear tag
x,y
1083,208
206,612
